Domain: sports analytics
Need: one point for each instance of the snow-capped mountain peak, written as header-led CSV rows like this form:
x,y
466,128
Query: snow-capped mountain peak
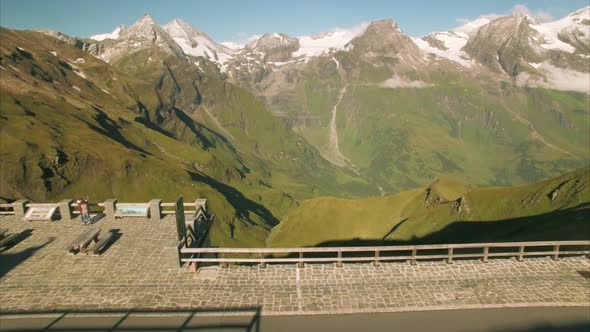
x,y
274,46
145,27
512,44
270,41
324,42
146,19
473,25
179,28
568,33
112,35
196,43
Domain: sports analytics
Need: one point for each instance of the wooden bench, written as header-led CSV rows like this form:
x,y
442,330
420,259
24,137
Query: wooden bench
x,y
83,240
8,239
103,242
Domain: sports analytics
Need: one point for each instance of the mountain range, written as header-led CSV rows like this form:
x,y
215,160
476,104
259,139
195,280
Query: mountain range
x,y
156,110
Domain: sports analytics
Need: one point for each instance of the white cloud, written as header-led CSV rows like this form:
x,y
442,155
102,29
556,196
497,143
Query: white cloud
x,y
556,78
355,30
402,82
241,40
491,16
539,15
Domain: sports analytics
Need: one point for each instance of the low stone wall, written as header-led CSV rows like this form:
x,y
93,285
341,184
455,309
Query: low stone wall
x,y
68,209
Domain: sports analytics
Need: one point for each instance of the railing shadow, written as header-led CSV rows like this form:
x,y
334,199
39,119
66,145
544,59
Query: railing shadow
x,y
574,327
9,261
542,227
246,319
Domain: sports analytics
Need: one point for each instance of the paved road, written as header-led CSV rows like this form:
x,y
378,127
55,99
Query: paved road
x,y
563,319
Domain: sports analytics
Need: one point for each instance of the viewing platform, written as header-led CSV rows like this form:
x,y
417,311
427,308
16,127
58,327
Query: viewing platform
x,y
139,268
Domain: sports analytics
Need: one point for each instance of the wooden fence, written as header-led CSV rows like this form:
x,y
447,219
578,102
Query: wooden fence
x,y
410,253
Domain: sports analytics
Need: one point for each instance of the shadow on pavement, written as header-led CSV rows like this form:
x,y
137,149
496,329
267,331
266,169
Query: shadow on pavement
x,y
9,261
242,319
578,327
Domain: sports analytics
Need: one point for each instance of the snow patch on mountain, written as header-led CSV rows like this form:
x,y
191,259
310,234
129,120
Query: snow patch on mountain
x,y
575,23
475,24
556,78
453,41
549,32
232,45
196,43
112,35
319,44
337,64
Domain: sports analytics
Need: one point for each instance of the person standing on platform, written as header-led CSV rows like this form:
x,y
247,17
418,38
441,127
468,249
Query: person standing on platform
x,y
83,206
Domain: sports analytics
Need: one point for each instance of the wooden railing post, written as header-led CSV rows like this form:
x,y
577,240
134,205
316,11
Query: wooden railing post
x,y
339,261
376,262
486,251
556,252
450,256
520,254
223,265
414,253
262,262
301,264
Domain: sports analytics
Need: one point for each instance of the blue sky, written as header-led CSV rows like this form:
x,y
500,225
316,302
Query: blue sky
x,y
236,20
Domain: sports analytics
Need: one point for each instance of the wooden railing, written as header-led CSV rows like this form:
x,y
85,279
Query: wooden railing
x,y
169,211
410,253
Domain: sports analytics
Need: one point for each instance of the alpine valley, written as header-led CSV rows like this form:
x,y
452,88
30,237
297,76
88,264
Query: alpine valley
x,y
353,135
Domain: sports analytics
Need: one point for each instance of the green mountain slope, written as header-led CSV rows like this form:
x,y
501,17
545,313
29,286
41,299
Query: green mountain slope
x,y
446,211
74,125
439,120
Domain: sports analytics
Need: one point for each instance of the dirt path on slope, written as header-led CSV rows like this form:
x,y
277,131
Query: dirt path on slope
x,y
217,124
335,156
535,134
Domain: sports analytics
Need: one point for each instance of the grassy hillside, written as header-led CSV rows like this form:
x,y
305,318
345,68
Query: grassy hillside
x,y
73,125
446,211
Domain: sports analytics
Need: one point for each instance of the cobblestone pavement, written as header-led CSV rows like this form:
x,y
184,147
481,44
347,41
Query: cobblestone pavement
x,y
140,270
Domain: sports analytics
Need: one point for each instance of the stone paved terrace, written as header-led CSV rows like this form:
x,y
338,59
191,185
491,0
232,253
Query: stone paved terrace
x,y
140,271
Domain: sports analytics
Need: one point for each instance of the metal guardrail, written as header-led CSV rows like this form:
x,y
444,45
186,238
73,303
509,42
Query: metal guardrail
x,y
411,253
